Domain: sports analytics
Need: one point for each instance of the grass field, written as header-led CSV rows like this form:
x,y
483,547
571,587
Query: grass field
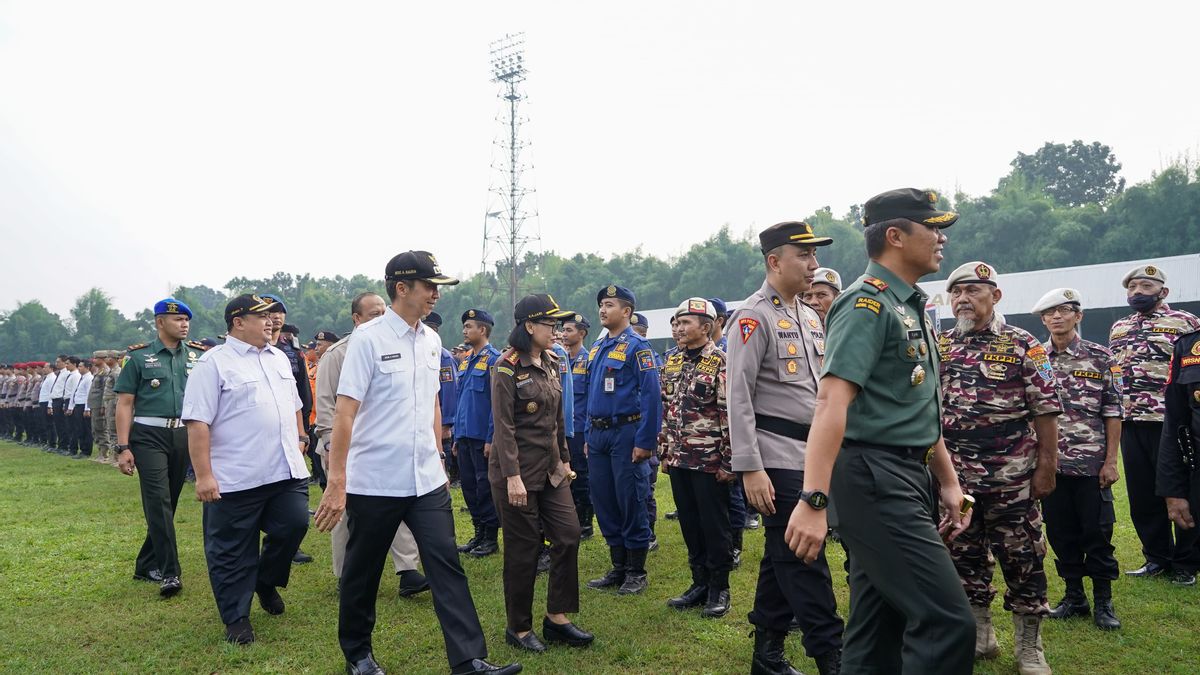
x,y
70,530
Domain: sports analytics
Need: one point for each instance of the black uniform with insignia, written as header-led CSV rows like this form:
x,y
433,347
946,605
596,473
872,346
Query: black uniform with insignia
x,y
1178,475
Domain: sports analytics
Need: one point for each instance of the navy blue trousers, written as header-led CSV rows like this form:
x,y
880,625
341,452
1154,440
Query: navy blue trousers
x,y
620,489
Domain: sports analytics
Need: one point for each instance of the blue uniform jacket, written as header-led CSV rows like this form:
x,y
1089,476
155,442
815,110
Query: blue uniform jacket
x,y
629,361
568,390
579,382
473,418
449,390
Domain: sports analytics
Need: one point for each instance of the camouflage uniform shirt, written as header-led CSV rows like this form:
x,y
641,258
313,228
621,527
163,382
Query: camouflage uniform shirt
x,y
1142,344
695,426
1090,381
992,379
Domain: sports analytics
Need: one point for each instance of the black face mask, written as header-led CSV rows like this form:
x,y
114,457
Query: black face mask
x,y
1142,303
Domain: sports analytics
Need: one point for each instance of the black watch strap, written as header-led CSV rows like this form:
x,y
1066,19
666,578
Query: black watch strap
x,y
122,448
815,498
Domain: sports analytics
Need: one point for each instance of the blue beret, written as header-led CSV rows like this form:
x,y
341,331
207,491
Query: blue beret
x,y
719,305
579,320
618,292
639,319
479,315
171,306
275,298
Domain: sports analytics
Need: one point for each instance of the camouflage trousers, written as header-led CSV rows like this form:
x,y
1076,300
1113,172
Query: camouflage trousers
x,y
110,426
1006,527
99,432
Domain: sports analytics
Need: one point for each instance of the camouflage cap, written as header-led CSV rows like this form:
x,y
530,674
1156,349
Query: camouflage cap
x,y
1056,297
1150,272
974,272
99,354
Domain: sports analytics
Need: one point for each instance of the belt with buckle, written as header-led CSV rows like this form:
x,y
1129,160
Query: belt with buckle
x,y
920,453
161,422
614,422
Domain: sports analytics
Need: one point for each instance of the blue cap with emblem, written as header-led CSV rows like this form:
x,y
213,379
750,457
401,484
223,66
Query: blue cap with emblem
x,y
579,320
480,315
639,319
618,292
719,305
275,298
172,306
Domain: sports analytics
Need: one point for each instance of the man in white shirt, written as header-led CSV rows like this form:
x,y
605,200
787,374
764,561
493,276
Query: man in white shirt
x,y
363,308
245,439
56,409
79,413
67,439
385,469
45,427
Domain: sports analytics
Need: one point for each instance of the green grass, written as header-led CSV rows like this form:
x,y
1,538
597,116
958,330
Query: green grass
x,y
70,529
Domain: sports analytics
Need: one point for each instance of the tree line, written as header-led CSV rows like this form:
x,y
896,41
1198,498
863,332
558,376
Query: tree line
x,y
1062,205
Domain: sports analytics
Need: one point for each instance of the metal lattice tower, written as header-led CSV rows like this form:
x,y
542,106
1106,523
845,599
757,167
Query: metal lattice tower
x,y
504,235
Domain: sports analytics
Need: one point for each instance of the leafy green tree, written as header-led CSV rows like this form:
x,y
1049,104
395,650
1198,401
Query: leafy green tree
x,y
30,332
1073,175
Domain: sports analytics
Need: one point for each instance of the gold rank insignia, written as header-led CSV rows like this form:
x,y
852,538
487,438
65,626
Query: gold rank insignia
x,y
791,367
785,324
791,349
918,376
911,351
531,407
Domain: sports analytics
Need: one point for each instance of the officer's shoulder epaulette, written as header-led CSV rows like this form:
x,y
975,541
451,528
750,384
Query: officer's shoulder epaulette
x,y
873,285
140,345
197,345
511,357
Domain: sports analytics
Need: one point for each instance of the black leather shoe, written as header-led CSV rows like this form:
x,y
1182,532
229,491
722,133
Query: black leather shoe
x,y
1069,606
170,586
364,666
485,548
1106,618
694,596
1148,570
566,633
529,643
240,632
153,576
634,584
1182,578
717,605
270,600
671,515
480,666
301,557
412,582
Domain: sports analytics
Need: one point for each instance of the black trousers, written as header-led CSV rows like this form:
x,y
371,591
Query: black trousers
x,y
236,567
58,423
1162,542
703,507
372,525
908,611
580,489
41,422
549,514
161,458
787,586
1079,524
81,434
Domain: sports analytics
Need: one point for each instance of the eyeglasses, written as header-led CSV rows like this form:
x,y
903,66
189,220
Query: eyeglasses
x,y
1065,310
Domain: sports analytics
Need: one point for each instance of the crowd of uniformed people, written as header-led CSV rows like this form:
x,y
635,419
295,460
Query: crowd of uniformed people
x,y
828,413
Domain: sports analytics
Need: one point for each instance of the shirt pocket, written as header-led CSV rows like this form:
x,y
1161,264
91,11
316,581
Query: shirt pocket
x,y
395,376
478,381
243,388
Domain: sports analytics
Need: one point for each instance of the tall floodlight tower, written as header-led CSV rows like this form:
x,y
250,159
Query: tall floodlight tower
x,y
505,235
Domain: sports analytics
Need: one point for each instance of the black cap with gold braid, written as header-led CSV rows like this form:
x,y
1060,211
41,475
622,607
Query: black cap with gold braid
x,y
792,232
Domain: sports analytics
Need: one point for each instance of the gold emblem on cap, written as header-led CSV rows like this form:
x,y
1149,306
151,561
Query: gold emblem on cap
x,y
1068,294
578,318
791,367
932,196
471,313
1151,271
611,291
531,407
983,271
830,276
172,307
633,319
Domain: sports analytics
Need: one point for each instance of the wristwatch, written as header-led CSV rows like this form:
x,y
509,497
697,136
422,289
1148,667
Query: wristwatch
x,y
122,448
815,498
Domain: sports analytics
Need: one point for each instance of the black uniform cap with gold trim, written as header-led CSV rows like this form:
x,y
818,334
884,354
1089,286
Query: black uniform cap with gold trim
x,y
249,303
414,266
919,206
791,232
539,306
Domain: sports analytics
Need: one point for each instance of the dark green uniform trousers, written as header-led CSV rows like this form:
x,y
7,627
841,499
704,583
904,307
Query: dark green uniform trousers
x,y
161,457
908,611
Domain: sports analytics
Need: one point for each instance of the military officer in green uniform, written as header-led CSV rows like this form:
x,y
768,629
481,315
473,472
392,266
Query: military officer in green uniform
x,y
151,437
908,611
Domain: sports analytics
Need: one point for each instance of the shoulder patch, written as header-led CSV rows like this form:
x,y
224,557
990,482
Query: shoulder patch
x,y
506,371
877,284
197,345
512,357
867,303
140,345
747,326
645,360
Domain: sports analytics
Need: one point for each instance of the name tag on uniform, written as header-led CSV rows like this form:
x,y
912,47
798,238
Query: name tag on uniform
x,y
390,357
610,385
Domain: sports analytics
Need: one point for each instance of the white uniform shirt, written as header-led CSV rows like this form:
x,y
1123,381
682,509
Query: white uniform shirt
x,y
60,384
47,387
248,398
393,371
82,389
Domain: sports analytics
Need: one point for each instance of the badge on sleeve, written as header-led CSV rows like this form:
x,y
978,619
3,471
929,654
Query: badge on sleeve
x,y
645,360
747,326
1041,361
447,374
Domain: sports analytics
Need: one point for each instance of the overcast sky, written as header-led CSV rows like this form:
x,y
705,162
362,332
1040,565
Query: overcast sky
x,y
147,145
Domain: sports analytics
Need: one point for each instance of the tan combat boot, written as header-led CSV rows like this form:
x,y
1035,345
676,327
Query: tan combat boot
x,y
1027,644
985,633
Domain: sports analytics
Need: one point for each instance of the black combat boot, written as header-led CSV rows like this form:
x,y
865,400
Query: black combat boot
x,y
488,544
635,573
768,654
615,576
829,663
473,541
1074,603
586,529
1105,617
695,595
